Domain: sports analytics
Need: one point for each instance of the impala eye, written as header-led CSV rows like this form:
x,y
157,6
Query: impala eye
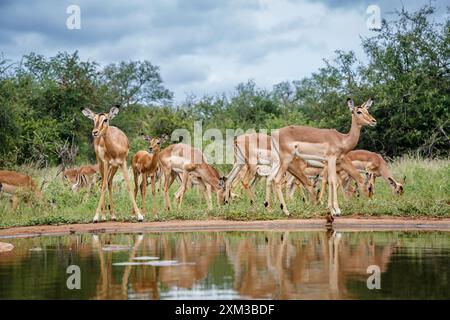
x,y
105,121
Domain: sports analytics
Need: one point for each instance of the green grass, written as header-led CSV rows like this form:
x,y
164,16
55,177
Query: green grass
x,y
427,194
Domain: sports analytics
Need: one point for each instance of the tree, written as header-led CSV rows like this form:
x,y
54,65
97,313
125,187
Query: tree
x,y
136,82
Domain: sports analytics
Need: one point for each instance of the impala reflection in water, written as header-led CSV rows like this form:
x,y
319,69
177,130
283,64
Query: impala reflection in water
x,y
229,265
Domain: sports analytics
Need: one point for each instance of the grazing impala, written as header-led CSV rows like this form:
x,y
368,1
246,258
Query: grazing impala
x,y
374,164
111,149
253,152
317,144
186,160
18,185
145,165
84,176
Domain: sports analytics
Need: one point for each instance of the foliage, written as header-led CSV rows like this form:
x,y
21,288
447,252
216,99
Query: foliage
x,y
407,71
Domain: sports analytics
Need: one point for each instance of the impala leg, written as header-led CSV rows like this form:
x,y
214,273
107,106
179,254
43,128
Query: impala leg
x,y
333,204
154,194
93,182
14,202
143,192
209,194
112,173
130,192
278,183
323,184
298,173
249,174
167,177
231,177
184,181
206,193
372,184
101,204
291,186
136,182
267,202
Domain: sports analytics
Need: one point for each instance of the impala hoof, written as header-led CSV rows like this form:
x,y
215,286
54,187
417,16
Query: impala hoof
x,y
140,218
337,212
95,221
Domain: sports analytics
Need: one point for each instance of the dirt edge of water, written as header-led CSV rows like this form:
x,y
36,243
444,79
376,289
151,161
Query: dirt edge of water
x,y
342,224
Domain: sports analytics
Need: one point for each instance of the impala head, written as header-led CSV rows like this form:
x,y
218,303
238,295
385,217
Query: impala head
x,y
396,187
369,184
221,189
154,144
101,120
361,113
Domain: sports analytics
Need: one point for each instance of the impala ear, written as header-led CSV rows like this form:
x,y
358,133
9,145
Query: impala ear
x,y
163,138
392,182
113,112
147,138
368,103
88,113
350,104
222,181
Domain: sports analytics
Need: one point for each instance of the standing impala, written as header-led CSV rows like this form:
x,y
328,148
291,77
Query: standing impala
x,y
186,160
374,164
317,144
145,164
111,149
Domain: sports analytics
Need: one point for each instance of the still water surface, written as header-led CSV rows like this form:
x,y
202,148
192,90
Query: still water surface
x,y
229,265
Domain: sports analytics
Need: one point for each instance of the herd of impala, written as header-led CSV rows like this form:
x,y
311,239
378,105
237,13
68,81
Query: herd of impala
x,y
293,157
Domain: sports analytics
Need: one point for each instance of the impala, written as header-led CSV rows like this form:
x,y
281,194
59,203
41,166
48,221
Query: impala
x,y
111,149
145,165
317,144
183,159
84,176
253,152
18,185
374,164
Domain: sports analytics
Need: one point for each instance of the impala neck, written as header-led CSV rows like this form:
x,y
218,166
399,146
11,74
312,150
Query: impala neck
x,y
352,137
212,177
155,156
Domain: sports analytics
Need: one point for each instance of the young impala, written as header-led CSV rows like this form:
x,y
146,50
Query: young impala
x,y
111,149
317,144
18,185
186,160
145,165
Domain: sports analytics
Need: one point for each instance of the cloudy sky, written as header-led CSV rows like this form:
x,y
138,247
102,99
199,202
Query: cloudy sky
x,y
201,46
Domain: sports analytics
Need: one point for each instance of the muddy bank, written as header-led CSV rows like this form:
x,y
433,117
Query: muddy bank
x,y
343,224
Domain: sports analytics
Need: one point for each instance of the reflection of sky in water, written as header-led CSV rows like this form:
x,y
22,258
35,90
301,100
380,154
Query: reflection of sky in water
x,y
201,292
229,265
